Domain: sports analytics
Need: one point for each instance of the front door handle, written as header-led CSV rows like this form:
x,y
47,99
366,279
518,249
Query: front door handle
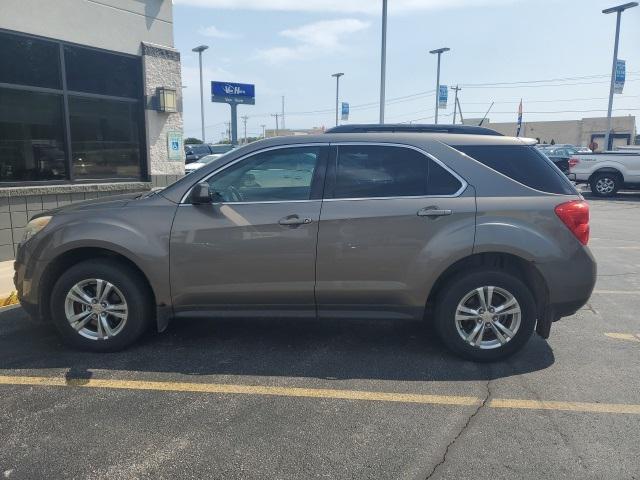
x,y
294,220
433,212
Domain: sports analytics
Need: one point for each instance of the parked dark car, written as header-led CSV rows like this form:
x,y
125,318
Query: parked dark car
x,y
478,234
195,152
560,155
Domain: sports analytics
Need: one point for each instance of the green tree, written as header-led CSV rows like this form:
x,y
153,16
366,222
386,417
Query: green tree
x,y
192,141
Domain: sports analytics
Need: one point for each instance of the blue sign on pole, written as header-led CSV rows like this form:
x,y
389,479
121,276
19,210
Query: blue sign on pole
x,y
345,111
443,95
621,73
228,92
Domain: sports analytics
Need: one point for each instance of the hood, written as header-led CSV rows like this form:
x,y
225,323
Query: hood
x,y
112,201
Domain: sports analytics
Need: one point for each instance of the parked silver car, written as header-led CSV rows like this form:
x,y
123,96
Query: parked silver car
x,y
481,235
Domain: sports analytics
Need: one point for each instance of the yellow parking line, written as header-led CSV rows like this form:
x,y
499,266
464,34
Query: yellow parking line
x,y
624,336
582,407
10,299
320,393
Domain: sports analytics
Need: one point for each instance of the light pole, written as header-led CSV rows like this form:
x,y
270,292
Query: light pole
x,y
439,51
201,49
383,59
337,75
264,132
618,10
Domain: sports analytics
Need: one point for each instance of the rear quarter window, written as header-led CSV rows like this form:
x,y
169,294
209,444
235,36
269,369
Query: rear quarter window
x,y
521,163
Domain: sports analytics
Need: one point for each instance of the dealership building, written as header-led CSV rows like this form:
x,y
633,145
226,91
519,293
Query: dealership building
x,y
90,104
583,132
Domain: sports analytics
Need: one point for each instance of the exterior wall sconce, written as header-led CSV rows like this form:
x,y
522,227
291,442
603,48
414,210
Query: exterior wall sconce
x,y
167,99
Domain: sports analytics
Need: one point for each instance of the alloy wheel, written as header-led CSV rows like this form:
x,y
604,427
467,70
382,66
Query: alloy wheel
x,y
488,317
605,185
96,309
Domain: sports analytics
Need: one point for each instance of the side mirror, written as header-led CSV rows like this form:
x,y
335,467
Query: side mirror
x,y
200,194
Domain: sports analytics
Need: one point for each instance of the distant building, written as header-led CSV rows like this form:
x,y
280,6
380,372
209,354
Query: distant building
x,y
287,132
576,132
90,104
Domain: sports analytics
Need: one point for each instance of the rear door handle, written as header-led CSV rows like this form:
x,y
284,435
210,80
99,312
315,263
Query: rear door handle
x,y
294,220
433,212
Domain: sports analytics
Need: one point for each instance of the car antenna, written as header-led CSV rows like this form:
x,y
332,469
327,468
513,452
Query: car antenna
x,y
485,115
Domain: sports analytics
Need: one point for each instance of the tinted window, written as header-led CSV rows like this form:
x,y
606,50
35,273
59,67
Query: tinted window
x,y
200,149
441,182
105,138
377,171
29,61
283,174
31,136
104,73
523,164
380,171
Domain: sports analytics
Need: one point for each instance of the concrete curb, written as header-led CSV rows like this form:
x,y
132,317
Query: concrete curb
x,y
11,299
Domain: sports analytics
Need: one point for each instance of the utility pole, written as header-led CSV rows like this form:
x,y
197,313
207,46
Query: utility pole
x,y
439,52
337,75
455,103
618,10
277,127
228,124
199,50
244,123
460,110
383,59
264,131
283,127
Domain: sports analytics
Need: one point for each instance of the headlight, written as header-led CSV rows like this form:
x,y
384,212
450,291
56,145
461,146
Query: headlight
x,y
34,226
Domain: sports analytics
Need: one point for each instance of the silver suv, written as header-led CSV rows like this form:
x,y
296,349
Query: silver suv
x,y
481,235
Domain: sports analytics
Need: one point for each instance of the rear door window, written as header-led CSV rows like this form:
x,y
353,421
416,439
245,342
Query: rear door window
x,y
374,171
521,163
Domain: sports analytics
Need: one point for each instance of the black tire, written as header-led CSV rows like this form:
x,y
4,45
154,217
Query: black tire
x,y
455,291
611,180
127,281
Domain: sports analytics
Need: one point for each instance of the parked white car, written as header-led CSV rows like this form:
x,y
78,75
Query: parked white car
x,y
606,172
193,166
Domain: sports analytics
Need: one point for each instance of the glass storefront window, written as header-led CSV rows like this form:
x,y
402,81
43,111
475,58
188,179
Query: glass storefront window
x,y
105,138
103,73
92,129
29,61
31,136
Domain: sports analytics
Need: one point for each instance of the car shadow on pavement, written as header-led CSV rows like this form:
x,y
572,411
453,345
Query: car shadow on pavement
x,y
334,349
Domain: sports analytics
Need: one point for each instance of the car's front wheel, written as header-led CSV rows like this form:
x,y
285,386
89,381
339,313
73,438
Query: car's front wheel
x,y
100,306
485,316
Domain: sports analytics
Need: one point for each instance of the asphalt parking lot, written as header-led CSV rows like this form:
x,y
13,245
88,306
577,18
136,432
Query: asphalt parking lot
x,y
354,399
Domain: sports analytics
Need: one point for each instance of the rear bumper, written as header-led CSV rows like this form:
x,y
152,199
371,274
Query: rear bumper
x,y
570,282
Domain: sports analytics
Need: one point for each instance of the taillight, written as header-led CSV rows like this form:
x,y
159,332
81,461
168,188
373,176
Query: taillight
x,y
575,215
573,162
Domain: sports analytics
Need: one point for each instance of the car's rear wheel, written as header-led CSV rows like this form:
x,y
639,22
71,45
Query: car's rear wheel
x,y
605,184
485,316
100,306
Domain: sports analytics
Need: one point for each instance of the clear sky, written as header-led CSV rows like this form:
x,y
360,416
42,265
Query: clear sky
x,y
291,48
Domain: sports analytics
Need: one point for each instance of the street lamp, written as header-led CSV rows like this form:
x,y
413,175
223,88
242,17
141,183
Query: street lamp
x,y
618,10
438,51
337,75
201,49
383,59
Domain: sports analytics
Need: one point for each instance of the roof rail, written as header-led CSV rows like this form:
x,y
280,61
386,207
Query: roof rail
x,y
412,128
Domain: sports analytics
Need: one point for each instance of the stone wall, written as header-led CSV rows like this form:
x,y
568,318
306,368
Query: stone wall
x,y
161,67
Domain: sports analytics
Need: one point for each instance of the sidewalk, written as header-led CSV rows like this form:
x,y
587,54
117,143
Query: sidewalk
x,y
6,284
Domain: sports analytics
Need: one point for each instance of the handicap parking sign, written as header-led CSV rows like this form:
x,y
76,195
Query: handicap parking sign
x,y
174,145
